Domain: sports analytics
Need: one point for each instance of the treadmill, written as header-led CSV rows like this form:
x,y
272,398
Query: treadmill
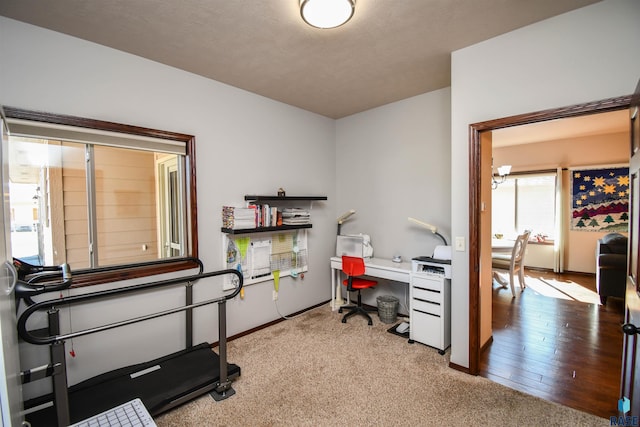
x,y
161,384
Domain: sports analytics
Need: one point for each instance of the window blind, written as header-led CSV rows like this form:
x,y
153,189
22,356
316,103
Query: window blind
x,y
33,129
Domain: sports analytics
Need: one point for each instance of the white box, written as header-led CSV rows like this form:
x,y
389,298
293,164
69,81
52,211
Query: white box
x,y
350,246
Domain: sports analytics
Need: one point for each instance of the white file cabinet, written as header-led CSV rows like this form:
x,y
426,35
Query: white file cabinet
x,y
430,304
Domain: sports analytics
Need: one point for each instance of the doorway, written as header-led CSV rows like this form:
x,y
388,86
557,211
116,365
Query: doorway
x,y
479,168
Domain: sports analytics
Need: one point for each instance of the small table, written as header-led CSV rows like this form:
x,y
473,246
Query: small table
x,y
375,267
502,245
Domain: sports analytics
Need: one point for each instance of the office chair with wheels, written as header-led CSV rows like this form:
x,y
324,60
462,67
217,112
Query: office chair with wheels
x,y
354,267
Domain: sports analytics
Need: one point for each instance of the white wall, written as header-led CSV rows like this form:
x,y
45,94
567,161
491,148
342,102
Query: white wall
x,y
245,144
580,56
392,162
594,150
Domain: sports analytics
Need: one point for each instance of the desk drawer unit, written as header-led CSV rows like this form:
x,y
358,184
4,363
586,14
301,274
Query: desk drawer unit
x,y
430,316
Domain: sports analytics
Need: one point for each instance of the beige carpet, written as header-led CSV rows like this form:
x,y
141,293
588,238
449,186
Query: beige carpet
x,y
316,371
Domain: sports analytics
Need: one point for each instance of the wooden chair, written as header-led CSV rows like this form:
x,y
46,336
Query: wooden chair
x,y
354,267
513,263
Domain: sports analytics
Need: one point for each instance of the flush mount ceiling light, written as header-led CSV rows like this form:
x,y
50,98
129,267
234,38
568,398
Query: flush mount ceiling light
x,y
326,13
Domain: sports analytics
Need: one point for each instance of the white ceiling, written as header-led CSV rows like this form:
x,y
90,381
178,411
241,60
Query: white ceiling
x,y
390,50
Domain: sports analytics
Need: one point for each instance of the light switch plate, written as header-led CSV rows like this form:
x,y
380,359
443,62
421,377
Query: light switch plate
x,y
460,244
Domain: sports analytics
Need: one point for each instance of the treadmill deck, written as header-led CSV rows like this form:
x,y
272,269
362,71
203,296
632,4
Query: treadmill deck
x,y
161,384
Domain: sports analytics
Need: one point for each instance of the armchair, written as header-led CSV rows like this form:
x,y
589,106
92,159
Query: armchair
x,y
611,269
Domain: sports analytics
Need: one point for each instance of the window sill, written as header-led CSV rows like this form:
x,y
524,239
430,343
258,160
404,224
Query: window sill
x,y
84,278
544,242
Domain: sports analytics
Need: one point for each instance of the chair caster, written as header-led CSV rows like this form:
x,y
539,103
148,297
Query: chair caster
x,y
370,323
344,320
340,310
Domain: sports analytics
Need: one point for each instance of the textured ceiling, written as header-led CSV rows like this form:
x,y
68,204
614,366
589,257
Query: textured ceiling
x,y
390,50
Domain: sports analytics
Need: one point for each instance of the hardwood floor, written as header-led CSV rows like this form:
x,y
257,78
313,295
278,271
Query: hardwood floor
x,y
555,341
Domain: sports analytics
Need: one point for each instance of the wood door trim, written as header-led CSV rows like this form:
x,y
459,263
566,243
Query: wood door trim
x,y
602,106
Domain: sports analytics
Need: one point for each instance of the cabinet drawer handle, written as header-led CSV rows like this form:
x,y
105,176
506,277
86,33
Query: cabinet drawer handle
x,y
427,290
427,301
424,312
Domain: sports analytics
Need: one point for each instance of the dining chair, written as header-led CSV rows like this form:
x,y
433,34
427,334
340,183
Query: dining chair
x,y
512,262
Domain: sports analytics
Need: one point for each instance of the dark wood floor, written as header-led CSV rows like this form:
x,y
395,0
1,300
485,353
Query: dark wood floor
x,y
550,343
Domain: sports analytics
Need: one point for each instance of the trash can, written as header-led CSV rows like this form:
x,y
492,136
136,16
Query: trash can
x,y
388,308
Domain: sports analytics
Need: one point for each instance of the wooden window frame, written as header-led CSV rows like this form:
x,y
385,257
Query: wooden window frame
x,y
132,271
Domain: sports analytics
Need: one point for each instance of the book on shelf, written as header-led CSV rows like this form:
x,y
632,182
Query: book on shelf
x,y
295,216
238,218
264,215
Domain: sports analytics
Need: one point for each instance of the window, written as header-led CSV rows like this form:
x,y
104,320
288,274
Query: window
x,y
98,194
525,202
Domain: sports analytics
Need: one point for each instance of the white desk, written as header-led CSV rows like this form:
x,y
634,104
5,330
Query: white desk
x,y
375,267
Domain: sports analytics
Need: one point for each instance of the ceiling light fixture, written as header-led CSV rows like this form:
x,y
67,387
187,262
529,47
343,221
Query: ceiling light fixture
x,y
503,172
327,13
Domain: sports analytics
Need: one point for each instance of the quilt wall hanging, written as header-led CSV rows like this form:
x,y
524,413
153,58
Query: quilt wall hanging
x,y
600,199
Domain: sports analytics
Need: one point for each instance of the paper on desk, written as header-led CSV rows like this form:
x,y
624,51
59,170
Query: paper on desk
x,y
442,252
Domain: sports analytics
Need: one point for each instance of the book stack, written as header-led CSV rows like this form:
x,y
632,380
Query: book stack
x,y
238,218
295,216
265,215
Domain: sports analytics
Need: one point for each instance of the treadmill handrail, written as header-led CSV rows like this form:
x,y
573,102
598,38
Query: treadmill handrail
x,y
75,299
45,276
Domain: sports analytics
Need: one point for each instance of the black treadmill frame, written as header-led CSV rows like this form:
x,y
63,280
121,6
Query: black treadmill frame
x,y
220,389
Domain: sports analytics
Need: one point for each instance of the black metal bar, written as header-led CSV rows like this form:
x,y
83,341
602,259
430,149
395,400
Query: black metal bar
x,y
26,289
39,373
222,340
189,315
59,377
223,387
71,300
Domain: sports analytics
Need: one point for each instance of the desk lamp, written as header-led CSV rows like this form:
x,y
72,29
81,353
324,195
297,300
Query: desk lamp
x,y
430,227
342,218
339,301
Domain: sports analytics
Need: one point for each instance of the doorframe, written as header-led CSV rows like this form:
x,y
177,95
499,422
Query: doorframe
x,y
475,201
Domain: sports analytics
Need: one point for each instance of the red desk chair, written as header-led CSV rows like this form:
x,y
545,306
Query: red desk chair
x,y
354,267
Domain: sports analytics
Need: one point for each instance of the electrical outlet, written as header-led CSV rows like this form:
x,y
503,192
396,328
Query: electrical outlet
x,y
275,295
460,244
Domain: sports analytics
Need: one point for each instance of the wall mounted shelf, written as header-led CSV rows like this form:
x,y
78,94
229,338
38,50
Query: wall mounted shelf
x,y
283,198
265,229
260,199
